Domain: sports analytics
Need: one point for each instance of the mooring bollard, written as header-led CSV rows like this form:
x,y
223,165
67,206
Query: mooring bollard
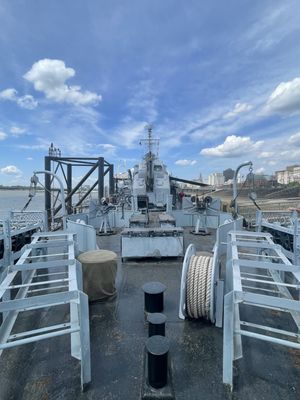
x,y
157,323
157,360
154,296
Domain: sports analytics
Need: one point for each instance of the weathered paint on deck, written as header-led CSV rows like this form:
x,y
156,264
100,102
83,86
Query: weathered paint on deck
x,y
45,370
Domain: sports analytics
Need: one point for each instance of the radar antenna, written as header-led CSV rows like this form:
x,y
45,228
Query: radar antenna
x,y
150,142
149,128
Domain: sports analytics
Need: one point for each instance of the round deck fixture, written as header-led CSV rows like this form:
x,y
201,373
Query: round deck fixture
x,y
157,323
157,359
154,296
99,268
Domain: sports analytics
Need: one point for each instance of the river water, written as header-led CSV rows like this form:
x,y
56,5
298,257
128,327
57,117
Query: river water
x,y
16,200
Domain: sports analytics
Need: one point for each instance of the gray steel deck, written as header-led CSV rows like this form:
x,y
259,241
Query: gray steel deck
x,y
45,370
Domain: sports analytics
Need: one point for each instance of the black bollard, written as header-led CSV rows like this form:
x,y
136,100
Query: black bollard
x,y
154,296
157,355
157,323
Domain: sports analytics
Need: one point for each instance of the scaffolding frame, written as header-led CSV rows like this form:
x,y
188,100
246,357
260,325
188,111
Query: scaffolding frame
x,y
257,273
65,165
61,285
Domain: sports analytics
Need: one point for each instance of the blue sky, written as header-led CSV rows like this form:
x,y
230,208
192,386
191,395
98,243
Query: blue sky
x,y
219,81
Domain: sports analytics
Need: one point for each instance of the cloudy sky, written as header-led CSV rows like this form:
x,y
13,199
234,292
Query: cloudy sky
x,y
219,81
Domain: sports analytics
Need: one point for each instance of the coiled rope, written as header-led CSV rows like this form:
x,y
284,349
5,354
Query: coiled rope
x,y
198,287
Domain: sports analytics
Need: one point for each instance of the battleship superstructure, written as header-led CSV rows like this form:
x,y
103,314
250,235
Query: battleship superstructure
x,y
150,179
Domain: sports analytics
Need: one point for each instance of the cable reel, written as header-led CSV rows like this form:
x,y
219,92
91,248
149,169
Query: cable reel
x,y
198,284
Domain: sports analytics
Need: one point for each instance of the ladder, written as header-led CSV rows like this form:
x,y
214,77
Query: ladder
x,y
47,275
256,276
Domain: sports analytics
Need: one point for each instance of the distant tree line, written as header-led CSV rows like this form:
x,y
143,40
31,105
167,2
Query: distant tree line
x,y
16,187
228,174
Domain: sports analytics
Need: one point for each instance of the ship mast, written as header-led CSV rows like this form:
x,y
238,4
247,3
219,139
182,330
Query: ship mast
x,y
149,157
150,143
149,128
149,180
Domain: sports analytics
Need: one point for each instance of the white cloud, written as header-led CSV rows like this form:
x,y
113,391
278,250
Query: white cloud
x,y
10,170
26,101
41,146
272,26
106,149
49,76
107,146
129,133
278,151
260,170
272,163
16,131
233,146
285,99
2,135
29,158
290,154
266,154
9,94
185,162
169,142
79,144
239,108
295,139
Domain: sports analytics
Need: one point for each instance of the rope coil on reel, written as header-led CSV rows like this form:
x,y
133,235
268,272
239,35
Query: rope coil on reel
x,y
198,287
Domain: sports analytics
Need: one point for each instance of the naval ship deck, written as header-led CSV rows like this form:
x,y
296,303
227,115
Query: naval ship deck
x,y
45,370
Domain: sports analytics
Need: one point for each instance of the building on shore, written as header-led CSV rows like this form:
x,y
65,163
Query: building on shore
x,y
216,179
288,175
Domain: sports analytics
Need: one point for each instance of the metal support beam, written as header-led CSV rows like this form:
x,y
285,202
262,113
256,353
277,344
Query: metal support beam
x,y
93,163
48,186
73,191
228,337
111,180
62,205
69,188
100,178
86,194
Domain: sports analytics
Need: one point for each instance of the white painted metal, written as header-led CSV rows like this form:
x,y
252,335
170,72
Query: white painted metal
x,y
242,277
150,178
17,225
67,287
286,222
190,251
216,284
62,196
152,242
235,193
85,235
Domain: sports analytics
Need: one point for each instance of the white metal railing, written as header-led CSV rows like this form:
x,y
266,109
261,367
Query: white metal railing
x,y
60,286
15,232
285,227
257,273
